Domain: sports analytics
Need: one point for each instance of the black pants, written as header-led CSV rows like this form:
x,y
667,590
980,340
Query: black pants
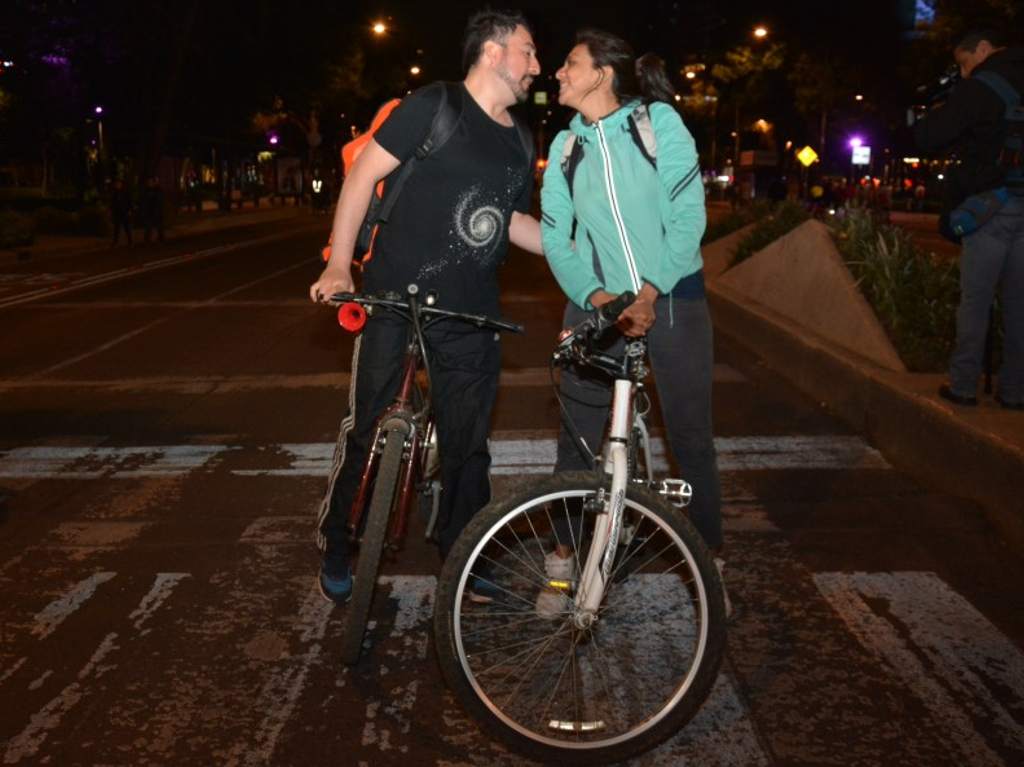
x,y
464,369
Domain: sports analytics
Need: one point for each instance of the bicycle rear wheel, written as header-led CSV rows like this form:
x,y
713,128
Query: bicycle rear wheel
x,y
372,544
559,693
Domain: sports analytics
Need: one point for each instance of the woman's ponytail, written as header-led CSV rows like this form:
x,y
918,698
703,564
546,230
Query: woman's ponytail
x,y
652,78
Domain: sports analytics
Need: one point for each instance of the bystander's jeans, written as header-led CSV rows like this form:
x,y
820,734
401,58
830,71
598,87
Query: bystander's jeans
x,y
992,257
681,351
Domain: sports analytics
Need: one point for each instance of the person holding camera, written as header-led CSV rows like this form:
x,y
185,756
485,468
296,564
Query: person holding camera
x,y
982,121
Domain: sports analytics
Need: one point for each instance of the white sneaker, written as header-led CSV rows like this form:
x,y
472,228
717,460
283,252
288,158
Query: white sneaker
x,y
552,602
720,564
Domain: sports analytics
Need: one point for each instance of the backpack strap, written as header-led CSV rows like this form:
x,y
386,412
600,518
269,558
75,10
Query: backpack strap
x,y
1001,86
572,153
642,131
446,120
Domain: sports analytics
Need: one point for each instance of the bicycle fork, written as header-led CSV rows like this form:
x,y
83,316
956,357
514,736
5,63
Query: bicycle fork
x,y
598,568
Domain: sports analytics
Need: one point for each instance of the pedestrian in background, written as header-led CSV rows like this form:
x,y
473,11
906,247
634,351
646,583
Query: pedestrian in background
x,y
120,211
974,121
152,209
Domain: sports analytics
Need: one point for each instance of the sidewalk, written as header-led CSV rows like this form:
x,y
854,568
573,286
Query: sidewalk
x,y
187,224
969,452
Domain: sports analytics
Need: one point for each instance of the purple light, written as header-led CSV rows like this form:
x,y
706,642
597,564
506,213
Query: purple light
x,y
856,141
273,139
98,110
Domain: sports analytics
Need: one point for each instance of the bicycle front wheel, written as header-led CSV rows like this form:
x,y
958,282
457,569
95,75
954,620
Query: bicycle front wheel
x,y
372,544
530,675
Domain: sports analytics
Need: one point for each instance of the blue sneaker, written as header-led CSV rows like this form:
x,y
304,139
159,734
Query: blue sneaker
x,y
337,590
481,591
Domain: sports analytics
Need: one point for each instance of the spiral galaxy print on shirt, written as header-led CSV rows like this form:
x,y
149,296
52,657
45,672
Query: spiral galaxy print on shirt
x,y
480,227
477,228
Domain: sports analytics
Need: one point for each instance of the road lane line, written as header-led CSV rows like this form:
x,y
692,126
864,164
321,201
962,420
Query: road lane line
x,y
150,325
281,691
50,617
130,271
943,650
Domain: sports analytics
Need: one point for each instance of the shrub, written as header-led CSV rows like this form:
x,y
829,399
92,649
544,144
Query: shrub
x,y
914,294
50,220
15,229
780,221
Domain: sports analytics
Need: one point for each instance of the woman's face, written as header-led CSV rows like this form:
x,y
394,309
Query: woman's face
x,y
578,77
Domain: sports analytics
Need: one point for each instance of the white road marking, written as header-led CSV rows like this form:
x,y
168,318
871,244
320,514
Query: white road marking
x,y
28,741
131,271
55,613
48,718
510,378
510,456
944,651
281,691
162,588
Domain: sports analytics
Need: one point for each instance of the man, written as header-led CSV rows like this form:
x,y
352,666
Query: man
x,y
973,121
449,231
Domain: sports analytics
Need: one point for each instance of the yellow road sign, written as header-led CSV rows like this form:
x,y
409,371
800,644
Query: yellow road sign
x,y
807,156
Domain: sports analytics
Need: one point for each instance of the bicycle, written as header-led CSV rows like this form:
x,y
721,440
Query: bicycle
x,y
403,459
637,640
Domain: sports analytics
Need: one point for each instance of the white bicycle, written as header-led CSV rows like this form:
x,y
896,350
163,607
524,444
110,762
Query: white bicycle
x,y
636,637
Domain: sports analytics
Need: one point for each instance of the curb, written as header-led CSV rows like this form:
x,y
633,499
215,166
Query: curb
x,y
896,411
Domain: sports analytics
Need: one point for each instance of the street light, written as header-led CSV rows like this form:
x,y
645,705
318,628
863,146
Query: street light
x,y
760,32
414,70
379,28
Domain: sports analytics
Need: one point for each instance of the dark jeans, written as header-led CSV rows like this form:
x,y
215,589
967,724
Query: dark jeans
x,y
464,369
680,348
992,257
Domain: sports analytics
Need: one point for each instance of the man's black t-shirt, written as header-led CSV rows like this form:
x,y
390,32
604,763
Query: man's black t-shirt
x,y
448,230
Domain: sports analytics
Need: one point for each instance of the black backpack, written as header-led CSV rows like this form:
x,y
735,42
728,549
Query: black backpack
x,y
1013,142
446,119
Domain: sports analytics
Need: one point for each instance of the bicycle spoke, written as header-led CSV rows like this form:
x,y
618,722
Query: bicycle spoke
x,y
513,658
504,625
541,577
527,675
522,546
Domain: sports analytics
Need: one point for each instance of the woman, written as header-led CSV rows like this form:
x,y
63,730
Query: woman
x,y
638,225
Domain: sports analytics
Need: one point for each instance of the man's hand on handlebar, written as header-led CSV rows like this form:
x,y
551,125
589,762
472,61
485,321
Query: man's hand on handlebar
x,y
332,280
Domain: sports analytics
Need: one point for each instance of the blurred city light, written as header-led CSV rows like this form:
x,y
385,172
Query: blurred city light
x,y
855,141
379,28
760,32
98,110
414,70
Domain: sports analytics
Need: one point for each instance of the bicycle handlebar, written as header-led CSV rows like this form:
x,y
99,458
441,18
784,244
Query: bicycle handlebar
x,y
393,301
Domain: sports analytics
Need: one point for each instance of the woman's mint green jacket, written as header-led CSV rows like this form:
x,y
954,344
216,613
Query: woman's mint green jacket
x,y
634,223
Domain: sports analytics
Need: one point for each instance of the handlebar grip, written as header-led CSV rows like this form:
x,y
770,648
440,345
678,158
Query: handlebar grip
x,y
609,313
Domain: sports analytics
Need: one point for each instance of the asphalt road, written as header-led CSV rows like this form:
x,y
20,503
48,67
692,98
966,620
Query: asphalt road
x,y
164,440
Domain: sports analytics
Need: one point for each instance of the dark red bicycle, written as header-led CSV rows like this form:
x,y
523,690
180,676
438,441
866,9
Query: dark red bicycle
x,y
403,461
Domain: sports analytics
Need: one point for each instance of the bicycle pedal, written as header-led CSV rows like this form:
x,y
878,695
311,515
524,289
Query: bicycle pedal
x,y
678,492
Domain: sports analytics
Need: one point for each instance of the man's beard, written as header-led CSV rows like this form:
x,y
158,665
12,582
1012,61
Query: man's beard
x,y
520,89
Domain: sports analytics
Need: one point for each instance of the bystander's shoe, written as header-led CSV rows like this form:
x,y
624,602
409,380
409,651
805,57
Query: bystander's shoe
x,y
1009,405
552,601
720,564
482,590
968,400
333,589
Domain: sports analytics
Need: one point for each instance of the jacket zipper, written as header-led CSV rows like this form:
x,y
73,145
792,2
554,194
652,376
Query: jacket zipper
x,y
620,224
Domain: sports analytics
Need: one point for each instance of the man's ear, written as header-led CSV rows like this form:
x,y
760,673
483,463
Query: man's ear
x,y
491,50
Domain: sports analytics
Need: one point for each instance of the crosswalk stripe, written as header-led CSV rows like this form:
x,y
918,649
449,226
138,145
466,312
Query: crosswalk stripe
x,y
55,613
509,456
942,649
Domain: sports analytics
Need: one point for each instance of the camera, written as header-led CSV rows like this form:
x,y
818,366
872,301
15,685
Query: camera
x,y
938,90
935,92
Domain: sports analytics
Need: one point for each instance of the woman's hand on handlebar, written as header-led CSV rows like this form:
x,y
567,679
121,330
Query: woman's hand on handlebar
x,y
332,280
637,318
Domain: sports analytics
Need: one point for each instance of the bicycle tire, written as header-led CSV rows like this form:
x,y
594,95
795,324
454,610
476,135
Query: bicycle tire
x,y
372,545
538,729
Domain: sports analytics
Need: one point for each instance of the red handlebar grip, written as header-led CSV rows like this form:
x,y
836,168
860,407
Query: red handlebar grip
x,y
352,317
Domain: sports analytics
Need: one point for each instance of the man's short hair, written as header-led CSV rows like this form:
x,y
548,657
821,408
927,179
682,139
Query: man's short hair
x,y
488,25
969,42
